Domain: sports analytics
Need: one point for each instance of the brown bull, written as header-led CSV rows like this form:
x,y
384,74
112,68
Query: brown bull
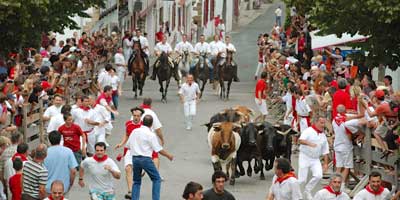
x,y
224,141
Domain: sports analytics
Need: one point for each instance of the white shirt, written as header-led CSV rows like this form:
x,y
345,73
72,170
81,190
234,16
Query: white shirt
x,y
278,12
288,101
228,47
104,79
127,44
144,43
101,114
163,47
341,142
9,169
189,92
119,59
302,108
324,194
156,122
52,111
320,140
142,142
365,195
287,190
55,123
97,177
114,80
79,117
202,48
184,46
47,198
217,47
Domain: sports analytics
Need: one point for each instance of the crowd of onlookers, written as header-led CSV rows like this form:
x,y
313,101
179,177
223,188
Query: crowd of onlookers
x,y
327,83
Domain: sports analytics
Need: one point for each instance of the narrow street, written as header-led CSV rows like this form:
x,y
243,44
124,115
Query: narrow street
x,y
192,155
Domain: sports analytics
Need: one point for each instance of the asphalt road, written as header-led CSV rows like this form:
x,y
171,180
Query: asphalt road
x,y
192,155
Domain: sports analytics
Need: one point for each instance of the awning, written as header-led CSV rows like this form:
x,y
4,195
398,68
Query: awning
x,y
146,10
319,42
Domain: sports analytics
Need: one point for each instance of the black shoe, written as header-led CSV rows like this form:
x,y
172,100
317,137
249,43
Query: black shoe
x,y
128,196
236,79
153,77
130,74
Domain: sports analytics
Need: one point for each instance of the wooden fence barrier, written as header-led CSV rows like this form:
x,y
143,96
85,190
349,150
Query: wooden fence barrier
x,y
32,124
370,154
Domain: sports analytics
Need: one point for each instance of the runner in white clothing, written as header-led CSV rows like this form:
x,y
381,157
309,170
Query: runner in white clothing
x,y
313,144
120,62
332,191
374,190
189,96
285,185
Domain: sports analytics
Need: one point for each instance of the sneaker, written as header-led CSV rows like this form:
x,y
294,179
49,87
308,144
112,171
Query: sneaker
x,y
128,195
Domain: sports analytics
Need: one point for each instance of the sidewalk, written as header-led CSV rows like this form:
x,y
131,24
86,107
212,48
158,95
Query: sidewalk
x,y
248,16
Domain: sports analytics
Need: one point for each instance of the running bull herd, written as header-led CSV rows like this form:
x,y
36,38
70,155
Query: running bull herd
x,y
234,139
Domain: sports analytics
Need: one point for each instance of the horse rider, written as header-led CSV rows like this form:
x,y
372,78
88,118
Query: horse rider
x,y
229,47
161,47
201,48
144,44
183,46
217,47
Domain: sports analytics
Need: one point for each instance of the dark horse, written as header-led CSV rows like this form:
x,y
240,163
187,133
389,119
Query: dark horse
x,y
225,72
201,72
164,72
137,68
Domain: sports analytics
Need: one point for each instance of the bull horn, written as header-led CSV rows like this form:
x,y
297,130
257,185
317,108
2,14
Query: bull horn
x,y
216,124
276,125
284,133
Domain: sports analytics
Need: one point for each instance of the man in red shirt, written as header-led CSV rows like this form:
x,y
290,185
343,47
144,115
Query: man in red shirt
x,y
15,181
72,134
261,96
130,125
341,97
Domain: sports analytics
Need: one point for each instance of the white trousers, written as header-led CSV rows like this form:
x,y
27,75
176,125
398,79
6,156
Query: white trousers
x,y
97,135
189,110
121,74
306,163
259,68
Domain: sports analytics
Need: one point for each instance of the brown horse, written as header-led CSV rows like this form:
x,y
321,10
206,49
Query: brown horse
x,y
137,68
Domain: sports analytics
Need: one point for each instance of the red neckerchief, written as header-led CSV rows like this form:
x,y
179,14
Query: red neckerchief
x,y
317,130
102,159
332,191
340,118
379,192
19,155
51,198
284,177
145,106
84,108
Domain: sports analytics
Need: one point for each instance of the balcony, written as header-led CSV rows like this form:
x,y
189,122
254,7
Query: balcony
x,y
123,9
108,11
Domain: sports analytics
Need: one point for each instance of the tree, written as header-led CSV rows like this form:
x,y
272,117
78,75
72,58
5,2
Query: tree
x,y
23,21
378,19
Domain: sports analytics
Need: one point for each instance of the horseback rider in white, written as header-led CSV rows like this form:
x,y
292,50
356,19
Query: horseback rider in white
x,y
162,47
200,49
184,48
144,44
231,48
217,47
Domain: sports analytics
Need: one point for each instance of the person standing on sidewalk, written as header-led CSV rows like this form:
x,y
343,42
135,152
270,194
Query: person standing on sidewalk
x,y
142,142
189,96
35,175
60,163
278,16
